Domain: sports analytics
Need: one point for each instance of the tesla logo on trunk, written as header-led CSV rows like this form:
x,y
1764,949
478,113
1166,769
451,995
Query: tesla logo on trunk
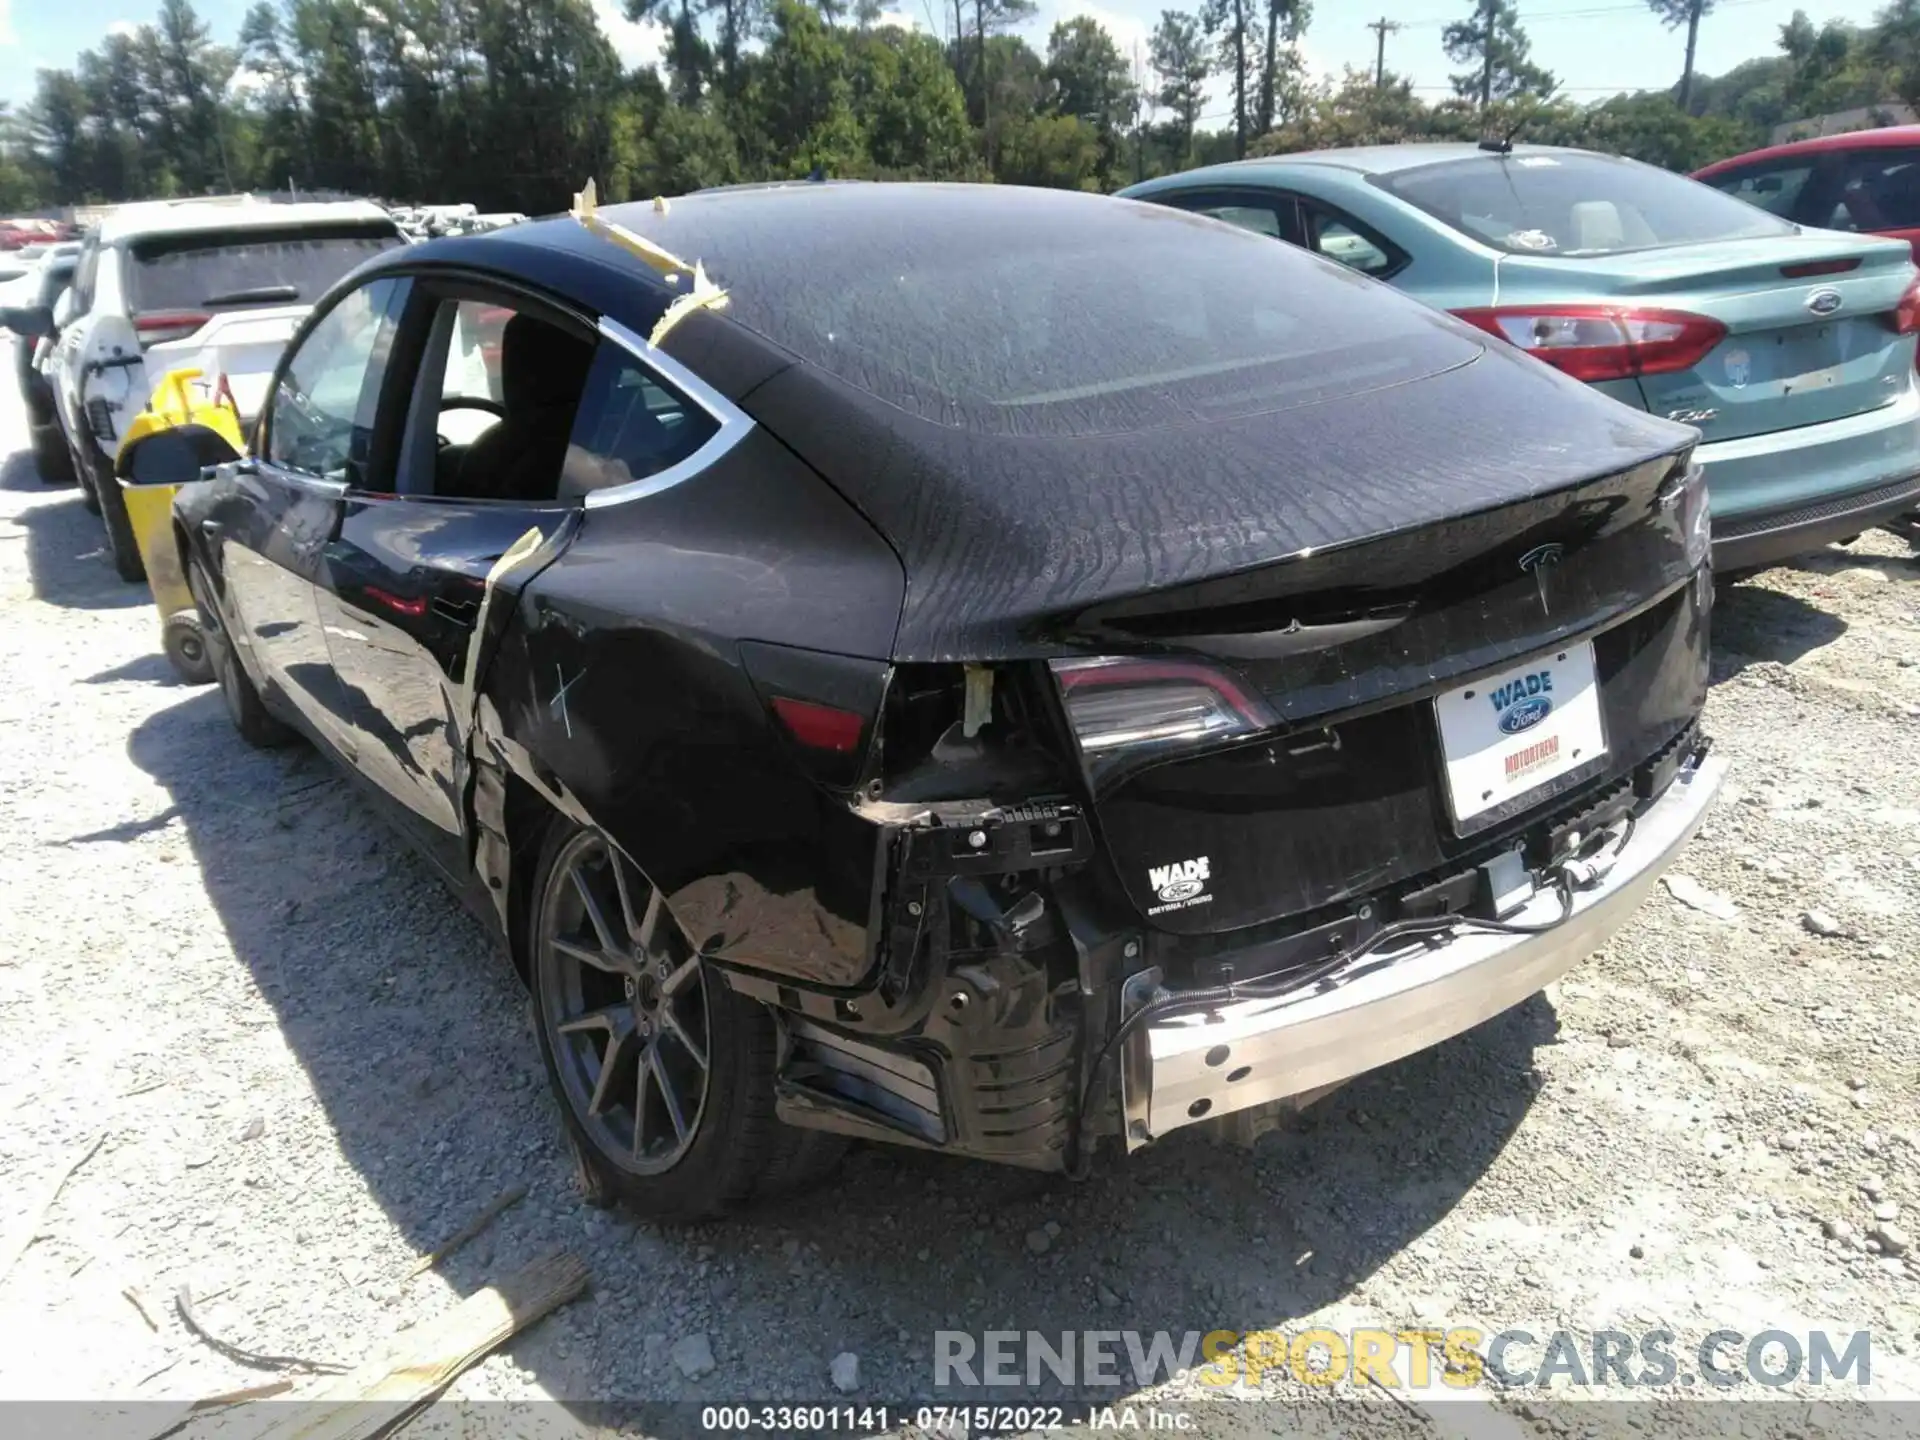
x,y
1538,562
1824,301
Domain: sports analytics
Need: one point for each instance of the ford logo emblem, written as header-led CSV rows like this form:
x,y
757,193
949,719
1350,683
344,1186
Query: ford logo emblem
x,y
1824,301
1181,890
1526,714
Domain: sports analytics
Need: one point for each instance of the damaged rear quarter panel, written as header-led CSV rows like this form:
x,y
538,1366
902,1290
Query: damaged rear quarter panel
x,y
621,698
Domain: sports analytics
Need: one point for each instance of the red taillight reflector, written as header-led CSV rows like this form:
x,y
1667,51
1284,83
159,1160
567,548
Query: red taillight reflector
x,y
1819,267
819,727
414,607
1603,342
155,326
1906,311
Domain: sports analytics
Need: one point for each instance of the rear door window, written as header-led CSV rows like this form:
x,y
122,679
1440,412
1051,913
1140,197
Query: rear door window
x,y
632,424
1269,215
1775,188
1879,190
240,269
1342,238
1572,203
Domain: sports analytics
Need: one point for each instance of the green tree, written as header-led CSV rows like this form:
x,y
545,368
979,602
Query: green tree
x,y
799,100
266,55
187,76
1895,49
909,107
1237,23
1492,42
1178,54
1821,65
1092,81
1058,151
1654,128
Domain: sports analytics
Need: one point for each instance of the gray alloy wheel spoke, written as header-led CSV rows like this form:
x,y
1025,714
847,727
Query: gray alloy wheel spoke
x,y
591,904
643,935
667,1093
612,963
670,1023
628,919
617,1042
607,1018
642,1073
676,982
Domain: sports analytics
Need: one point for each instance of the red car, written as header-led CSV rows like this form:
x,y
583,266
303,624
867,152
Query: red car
x,y
1867,180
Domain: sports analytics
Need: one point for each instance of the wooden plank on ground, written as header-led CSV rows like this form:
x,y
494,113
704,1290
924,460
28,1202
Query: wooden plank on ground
x,y
426,1359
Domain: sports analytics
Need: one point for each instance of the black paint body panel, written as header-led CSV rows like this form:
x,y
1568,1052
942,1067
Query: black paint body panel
x,y
672,750
1007,541
1288,833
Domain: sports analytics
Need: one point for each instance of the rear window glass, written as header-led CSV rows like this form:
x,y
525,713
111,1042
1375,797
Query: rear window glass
x,y
1575,204
251,267
1035,312
630,425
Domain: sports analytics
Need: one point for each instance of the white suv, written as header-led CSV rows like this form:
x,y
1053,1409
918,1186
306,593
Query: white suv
x,y
219,285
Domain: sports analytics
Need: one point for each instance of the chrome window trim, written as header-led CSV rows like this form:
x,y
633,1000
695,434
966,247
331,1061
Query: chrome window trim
x,y
734,423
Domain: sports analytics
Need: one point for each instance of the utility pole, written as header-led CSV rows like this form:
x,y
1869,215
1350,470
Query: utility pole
x,y
1381,28
1486,53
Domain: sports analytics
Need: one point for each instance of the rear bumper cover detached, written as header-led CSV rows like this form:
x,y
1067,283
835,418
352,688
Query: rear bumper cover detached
x,y
1383,1007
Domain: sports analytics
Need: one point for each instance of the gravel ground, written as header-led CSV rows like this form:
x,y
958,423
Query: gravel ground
x,y
309,1068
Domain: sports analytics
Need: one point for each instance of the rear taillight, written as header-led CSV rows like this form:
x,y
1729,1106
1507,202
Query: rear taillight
x,y
1127,705
155,327
819,727
1906,311
1603,342
823,705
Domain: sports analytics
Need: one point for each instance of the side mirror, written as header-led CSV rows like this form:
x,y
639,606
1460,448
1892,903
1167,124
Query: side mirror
x,y
33,321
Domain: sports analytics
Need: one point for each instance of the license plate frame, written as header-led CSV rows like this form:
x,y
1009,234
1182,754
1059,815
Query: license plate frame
x,y
1511,734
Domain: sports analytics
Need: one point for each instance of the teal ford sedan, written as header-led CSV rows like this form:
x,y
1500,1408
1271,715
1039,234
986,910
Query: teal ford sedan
x,y
1790,349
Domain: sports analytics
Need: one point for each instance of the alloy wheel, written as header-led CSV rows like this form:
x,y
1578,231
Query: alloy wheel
x,y
625,1001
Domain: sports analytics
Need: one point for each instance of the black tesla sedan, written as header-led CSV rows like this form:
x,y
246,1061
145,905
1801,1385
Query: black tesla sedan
x,y
1010,672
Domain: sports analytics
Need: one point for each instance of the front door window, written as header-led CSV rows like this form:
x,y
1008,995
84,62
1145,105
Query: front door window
x,y
321,414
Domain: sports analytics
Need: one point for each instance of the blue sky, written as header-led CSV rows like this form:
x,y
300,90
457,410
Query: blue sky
x,y
1595,46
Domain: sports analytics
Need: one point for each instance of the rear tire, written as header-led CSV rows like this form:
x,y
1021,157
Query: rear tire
x,y
664,1075
244,706
121,545
51,457
83,473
